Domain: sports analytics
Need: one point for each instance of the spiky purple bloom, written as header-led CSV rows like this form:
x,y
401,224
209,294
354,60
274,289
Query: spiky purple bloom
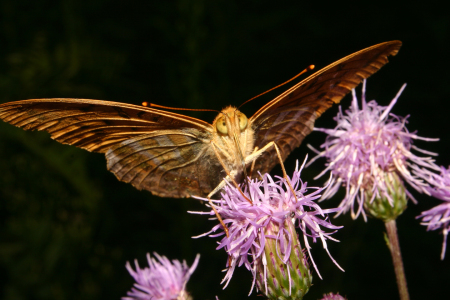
x,y
269,222
332,296
162,280
369,152
438,218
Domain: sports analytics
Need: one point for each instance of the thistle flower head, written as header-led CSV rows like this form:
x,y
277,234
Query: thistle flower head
x,y
262,233
332,296
370,153
438,218
161,280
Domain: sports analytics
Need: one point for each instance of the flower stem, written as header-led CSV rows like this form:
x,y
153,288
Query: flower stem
x,y
394,247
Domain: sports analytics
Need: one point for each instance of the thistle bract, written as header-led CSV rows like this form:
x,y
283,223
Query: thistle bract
x,y
282,278
388,208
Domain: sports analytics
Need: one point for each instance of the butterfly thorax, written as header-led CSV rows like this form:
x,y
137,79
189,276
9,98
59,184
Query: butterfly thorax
x,y
233,138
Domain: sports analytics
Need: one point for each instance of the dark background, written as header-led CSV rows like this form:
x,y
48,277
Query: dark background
x,y
67,226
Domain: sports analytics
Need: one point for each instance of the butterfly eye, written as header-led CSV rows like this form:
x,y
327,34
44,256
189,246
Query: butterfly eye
x,y
242,121
221,126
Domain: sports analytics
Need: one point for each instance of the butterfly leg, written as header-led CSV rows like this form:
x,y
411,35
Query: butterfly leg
x,y
253,163
252,158
226,179
225,228
220,186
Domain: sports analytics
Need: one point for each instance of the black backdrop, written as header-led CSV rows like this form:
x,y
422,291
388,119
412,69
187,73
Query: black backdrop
x,y
68,226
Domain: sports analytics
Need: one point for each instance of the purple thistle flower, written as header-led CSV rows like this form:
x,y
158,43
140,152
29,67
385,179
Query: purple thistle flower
x,y
439,216
268,223
332,296
162,280
369,152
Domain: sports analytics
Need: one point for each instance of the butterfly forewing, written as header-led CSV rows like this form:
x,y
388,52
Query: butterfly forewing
x,y
154,150
288,118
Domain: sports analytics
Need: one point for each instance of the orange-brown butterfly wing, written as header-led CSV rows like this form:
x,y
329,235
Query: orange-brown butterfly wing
x,y
288,118
155,150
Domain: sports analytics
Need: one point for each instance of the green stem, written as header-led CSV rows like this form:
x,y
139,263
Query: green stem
x,y
394,247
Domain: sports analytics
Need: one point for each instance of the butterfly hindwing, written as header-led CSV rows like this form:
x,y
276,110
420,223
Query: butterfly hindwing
x,y
169,163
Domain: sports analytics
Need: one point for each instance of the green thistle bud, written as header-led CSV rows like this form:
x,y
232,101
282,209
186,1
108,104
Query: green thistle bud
x,y
383,209
287,278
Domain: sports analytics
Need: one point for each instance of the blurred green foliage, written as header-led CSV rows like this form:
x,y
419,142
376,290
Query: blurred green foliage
x,y
68,226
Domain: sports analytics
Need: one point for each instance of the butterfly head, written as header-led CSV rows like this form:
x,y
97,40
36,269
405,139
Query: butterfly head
x,y
234,137
230,122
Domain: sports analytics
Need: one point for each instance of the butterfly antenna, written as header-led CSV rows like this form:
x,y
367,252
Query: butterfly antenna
x,y
147,104
309,68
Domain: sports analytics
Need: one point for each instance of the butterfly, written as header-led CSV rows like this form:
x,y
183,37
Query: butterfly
x,y
173,155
